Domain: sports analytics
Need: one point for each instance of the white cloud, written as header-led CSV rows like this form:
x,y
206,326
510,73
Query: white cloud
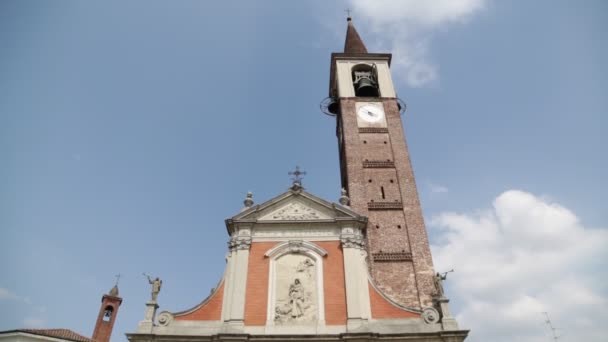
x,y
437,188
5,294
33,322
524,256
405,27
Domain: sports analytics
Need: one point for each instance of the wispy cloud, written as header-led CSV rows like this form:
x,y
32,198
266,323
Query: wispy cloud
x,y
437,188
520,257
406,28
6,294
34,322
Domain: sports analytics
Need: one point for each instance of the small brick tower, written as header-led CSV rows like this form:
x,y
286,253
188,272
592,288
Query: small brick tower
x,y
107,315
377,173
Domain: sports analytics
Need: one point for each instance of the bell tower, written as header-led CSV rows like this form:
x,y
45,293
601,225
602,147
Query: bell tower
x,y
376,171
107,315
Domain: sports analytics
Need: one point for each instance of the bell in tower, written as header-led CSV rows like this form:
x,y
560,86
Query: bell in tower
x,y
365,80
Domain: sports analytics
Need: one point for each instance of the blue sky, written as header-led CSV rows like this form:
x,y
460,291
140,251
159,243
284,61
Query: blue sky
x,y
130,130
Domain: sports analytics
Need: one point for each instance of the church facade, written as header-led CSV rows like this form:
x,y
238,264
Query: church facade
x,y
301,268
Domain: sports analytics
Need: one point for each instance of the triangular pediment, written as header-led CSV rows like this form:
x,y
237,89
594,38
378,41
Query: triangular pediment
x,y
296,205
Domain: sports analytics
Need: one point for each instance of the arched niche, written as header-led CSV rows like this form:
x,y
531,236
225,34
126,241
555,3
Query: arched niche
x,y
295,281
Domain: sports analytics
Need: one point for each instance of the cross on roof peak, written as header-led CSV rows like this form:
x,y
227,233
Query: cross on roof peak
x,y
297,179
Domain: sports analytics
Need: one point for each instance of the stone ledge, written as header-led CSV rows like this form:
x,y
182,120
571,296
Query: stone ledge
x,y
378,164
373,130
384,205
391,256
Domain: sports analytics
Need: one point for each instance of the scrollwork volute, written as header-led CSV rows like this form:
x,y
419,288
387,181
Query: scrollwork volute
x,y
165,318
430,315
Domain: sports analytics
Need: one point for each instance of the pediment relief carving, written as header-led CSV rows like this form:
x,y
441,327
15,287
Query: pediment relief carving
x,y
295,211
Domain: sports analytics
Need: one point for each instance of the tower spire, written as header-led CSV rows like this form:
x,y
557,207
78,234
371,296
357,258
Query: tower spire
x,y
353,43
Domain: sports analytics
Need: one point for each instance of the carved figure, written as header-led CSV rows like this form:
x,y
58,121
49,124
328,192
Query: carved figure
x,y
282,310
438,280
296,298
305,266
156,285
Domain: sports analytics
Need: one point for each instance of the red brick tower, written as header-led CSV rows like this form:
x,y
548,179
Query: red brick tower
x,y
107,315
377,172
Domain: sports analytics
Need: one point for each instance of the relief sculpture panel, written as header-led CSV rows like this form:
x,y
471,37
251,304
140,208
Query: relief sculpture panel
x,y
296,290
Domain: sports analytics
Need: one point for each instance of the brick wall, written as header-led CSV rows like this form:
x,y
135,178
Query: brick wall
x,y
410,283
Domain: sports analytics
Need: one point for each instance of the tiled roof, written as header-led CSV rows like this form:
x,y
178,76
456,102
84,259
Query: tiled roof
x,y
64,334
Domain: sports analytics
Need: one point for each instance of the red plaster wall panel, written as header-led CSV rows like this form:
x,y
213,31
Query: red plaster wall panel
x,y
256,297
381,308
334,287
209,311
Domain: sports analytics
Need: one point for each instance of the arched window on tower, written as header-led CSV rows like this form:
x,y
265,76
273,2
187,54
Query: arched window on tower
x,y
107,313
365,80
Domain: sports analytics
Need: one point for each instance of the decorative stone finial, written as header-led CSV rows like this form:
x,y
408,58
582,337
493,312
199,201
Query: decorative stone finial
x,y
344,200
248,200
114,291
296,187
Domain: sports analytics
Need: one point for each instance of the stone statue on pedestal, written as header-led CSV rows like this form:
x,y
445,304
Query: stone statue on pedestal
x,y
156,285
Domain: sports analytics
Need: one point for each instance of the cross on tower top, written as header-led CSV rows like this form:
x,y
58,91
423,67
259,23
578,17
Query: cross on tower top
x,y
117,279
297,179
347,12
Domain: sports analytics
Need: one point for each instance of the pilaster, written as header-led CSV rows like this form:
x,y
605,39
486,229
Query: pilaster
x,y
355,273
236,282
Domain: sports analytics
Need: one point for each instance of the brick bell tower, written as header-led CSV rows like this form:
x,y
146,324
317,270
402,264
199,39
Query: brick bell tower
x,y
107,315
377,173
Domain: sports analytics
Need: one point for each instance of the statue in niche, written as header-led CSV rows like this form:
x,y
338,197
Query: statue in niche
x,y
296,287
297,307
296,295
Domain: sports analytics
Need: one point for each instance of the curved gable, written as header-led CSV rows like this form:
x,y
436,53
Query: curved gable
x,y
209,310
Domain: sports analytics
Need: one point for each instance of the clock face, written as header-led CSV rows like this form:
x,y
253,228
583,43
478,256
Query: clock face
x,y
370,113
